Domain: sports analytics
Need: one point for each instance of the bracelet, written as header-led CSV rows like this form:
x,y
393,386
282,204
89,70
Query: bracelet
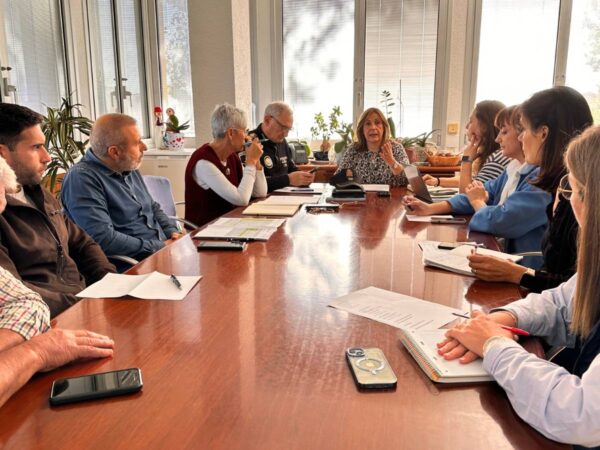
x,y
466,159
438,181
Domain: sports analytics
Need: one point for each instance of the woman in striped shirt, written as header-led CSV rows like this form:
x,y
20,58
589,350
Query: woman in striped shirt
x,y
482,159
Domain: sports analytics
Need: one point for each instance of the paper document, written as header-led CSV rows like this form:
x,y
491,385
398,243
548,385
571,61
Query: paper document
x,y
376,187
413,218
244,228
455,260
153,285
397,310
312,189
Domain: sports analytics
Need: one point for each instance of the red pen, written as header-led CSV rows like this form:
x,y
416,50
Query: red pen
x,y
517,331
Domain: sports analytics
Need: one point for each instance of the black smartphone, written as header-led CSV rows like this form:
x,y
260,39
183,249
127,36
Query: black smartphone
x,y
448,245
221,245
383,194
96,385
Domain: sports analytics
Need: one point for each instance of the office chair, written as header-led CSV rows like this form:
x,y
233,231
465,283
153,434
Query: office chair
x,y
160,191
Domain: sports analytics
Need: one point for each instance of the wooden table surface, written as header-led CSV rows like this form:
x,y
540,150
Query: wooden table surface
x,y
253,358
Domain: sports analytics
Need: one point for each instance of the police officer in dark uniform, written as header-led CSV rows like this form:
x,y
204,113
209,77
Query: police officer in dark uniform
x,y
276,160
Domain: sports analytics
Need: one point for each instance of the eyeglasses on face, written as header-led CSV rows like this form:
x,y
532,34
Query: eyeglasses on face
x,y
564,188
282,126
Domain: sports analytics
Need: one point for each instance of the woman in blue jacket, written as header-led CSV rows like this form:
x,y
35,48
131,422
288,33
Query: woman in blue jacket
x,y
510,206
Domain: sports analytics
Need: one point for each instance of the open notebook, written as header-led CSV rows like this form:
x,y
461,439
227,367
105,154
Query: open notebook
x,y
421,344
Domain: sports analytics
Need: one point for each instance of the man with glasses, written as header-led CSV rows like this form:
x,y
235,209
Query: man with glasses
x,y
277,161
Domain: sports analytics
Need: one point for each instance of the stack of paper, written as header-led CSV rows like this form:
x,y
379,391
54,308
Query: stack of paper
x,y
279,205
153,285
455,260
244,229
376,187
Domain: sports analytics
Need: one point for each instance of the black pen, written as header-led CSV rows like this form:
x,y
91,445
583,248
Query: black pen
x,y
176,282
464,316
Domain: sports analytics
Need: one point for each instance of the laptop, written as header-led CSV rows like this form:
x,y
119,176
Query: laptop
x,y
419,187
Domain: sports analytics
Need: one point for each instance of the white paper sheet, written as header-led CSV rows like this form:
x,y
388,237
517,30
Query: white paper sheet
x,y
397,310
240,228
376,187
153,285
289,199
312,189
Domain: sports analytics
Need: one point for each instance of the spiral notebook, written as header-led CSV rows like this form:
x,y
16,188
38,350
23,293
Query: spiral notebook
x,y
421,344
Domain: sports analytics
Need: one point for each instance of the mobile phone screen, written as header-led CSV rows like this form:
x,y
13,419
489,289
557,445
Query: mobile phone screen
x,y
98,385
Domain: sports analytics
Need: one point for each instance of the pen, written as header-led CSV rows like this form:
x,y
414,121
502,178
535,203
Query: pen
x,y
176,282
303,190
513,330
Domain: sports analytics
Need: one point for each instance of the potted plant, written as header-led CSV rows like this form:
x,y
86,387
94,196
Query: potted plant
x,y
173,138
416,145
325,129
388,102
346,133
64,127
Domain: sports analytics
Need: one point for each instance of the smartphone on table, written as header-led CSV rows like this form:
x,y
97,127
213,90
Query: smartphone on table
x,y
448,220
221,245
96,385
370,368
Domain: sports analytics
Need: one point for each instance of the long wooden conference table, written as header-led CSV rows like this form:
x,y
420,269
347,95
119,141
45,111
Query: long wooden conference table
x,y
254,359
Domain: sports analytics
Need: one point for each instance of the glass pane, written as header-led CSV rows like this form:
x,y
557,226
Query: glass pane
x,y
400,52
36,52
104,66
130,96
176,73
583,63
318,59
516,49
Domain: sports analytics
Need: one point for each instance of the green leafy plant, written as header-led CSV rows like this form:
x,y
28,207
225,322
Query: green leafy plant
x,y
387,101
64,127
173,125
346,132
416,141
325,129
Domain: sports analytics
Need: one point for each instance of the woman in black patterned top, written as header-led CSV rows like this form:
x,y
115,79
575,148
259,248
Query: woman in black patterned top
x,y
374,159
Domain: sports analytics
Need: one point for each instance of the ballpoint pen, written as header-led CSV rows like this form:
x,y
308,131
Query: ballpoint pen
x,y
513,330
176,282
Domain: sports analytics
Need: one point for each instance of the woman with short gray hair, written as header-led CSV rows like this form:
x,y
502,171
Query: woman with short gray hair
x,y
215,181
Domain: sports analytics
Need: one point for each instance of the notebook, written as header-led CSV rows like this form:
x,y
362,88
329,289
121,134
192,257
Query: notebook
x,y
421,344
456,260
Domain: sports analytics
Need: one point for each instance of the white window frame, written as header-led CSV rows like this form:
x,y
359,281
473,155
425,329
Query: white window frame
x,y
267,59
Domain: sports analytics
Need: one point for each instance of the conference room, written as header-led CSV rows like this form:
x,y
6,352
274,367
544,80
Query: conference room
x,y
293,319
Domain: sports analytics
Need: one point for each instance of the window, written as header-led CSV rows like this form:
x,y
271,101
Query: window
x,y
36,53
516,49
318,59
583,61
400,56
175,68
118,70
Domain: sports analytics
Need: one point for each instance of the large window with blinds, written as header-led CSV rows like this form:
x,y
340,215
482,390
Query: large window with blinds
x,y
318,59
117,56
400,56
516,52
36,55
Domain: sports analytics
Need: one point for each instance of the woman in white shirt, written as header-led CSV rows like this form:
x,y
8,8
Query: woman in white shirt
x,y
215,181
562,404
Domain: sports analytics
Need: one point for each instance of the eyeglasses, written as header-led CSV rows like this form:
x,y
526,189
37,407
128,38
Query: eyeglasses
x,y
282,126
564,188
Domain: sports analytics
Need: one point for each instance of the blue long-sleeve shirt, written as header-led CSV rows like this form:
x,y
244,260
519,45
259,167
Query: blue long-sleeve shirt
x,y
521,220
115,209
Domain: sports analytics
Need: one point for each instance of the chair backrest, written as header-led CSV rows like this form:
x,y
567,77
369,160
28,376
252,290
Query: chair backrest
x,y
160,191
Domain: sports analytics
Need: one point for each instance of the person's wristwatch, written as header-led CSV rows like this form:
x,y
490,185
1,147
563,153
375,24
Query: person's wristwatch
x,y
466,159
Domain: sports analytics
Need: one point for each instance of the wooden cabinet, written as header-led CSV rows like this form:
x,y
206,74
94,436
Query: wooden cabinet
x,y
169,164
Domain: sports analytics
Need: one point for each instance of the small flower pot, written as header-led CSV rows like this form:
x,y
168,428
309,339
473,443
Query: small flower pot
x,y
173,141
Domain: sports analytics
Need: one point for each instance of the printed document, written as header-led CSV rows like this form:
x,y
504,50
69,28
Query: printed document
x,y
240,228
397,310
